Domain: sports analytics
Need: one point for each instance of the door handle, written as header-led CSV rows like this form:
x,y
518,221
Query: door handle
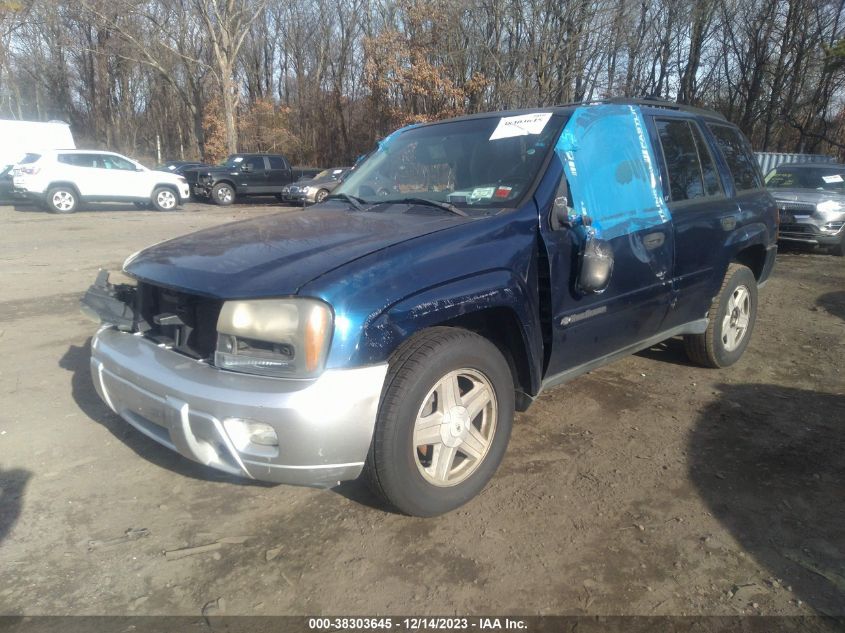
x,y
654,240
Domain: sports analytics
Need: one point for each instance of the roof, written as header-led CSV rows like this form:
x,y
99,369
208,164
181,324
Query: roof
x,y
568,108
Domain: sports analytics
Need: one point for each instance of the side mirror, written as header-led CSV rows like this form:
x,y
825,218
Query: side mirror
x,y
596,266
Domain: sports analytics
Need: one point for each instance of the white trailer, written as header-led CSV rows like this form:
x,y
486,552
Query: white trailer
x,y
18,138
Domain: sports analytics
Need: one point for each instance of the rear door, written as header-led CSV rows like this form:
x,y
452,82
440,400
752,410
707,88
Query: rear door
x,y
280,173
81,170
702,212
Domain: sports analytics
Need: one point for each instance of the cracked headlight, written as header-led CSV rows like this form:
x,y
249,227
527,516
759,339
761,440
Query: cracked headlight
x,y
274,337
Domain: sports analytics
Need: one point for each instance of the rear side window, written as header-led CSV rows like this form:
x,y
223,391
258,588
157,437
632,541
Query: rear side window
x,y
276,162
689,165
77,160
739,157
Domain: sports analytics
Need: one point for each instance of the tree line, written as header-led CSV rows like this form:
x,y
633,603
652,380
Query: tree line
x,y
322,80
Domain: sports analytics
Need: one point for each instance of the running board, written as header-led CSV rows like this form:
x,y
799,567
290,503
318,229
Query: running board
x,y
693,327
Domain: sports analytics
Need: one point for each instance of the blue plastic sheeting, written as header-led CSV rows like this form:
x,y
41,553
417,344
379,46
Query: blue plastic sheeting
x,y
611,170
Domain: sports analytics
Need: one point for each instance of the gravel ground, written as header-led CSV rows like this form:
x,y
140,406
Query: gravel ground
x,y
647,487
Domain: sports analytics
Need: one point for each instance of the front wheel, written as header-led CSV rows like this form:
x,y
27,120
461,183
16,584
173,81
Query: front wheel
x,y
320,195
443,424
165,199
223,194
731,321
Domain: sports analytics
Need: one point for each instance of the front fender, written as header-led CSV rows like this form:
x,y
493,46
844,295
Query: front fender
x,y
462,297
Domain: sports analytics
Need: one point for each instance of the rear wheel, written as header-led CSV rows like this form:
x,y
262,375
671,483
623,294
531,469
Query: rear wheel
x,y
165,199
62,200
731,321
223,194
443,424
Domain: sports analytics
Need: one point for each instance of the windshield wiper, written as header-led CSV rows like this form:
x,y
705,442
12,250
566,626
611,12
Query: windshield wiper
x,y
355,201
424,202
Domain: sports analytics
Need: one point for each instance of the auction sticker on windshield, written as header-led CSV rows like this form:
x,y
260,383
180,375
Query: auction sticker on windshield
x,y
522,125
831,179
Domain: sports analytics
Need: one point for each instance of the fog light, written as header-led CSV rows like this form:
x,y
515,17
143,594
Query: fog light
x,y
246,432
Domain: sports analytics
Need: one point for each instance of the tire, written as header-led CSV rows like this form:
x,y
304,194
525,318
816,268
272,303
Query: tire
x,y
401,469
223,194
62,200
165,199
725,339
320,196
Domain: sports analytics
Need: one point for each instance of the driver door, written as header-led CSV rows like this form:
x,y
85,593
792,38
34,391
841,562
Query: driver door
x,y
615,202
254,176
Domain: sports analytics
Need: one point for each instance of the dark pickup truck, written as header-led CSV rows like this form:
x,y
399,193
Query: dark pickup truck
x,y
393,331
245,175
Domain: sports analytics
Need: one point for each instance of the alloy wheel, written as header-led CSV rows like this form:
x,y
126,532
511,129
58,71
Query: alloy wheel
x,y
454,428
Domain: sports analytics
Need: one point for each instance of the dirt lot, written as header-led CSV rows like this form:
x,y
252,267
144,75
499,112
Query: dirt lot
x,y
647,487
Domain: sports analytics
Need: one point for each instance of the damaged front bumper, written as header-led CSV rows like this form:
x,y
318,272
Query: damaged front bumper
x,y
323,426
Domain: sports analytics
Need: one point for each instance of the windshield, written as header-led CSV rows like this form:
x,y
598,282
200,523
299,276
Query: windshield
x,y
820,178
485,162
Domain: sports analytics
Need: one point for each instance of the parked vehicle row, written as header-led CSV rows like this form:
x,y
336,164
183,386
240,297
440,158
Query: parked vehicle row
x,y
460,270
245,175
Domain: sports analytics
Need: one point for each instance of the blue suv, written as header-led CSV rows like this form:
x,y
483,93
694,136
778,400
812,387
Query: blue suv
x,y
461,269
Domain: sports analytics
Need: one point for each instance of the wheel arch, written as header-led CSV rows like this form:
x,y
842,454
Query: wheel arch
x,y
225,181
492,304
166,185
63,183
752,256
748,245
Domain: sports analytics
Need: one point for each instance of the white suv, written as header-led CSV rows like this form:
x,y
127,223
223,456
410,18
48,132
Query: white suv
x,y
61,179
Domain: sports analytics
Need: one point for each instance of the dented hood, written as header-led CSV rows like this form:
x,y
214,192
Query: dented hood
x,y
277,254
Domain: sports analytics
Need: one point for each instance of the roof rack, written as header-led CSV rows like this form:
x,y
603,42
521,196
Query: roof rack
x,y
654,102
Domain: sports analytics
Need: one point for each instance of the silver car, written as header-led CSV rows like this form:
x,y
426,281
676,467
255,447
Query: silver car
x,y
314,190
811,200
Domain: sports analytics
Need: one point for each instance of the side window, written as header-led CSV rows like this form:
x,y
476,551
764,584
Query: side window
x,y
738,155
681,155
276,162
77,160
256,163
712,181
109,161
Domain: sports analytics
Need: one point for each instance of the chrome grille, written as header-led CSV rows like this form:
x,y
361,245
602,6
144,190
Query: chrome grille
x,y
797,207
